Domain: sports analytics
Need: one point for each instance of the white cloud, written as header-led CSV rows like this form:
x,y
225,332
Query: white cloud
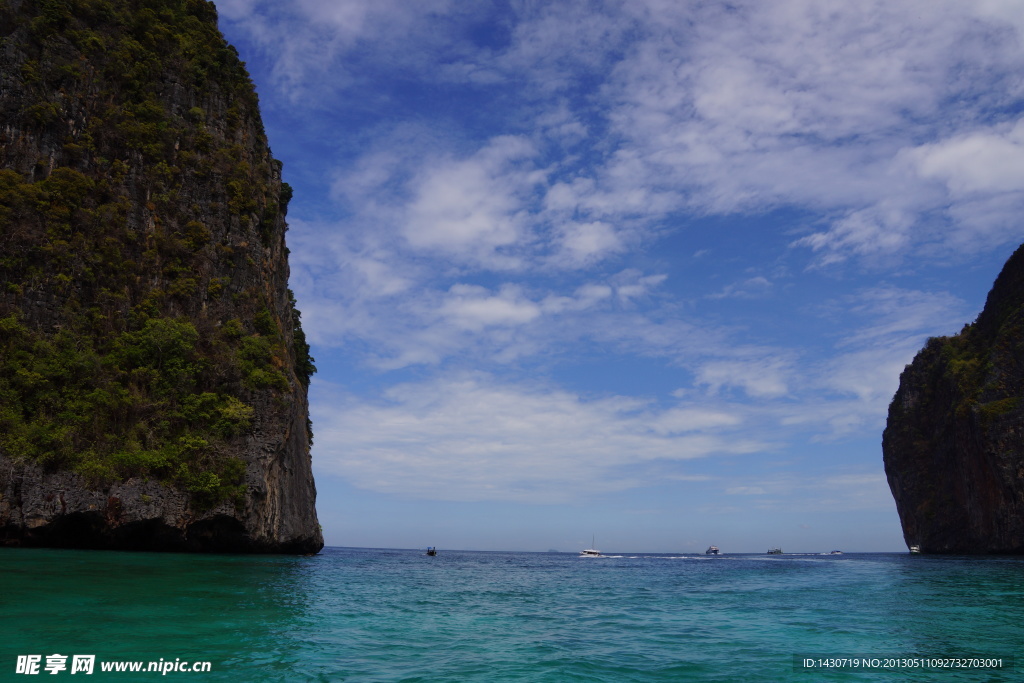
x,y
981,173
681,420
919,218
872,376
313,45
751,288
1008,11
558,42
872,232
397,314
989,161
585,297
475,438
759,377
471,307
632,284
472,208
585,243
753,106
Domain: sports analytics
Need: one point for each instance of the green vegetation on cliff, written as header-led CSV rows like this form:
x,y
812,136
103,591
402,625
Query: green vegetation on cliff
x,y
144,315
983,363
134,406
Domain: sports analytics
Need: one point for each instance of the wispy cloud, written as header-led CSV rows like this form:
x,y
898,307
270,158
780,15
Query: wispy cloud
x,y
760,376
341,44
474,438
751,288
810,105
475,209
847,492
897,315
867,113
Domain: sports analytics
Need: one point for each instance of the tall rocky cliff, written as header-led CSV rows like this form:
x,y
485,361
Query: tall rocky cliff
x,y
954,443
153,371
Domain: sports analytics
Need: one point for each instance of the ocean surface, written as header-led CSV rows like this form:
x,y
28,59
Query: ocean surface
x,y
397,615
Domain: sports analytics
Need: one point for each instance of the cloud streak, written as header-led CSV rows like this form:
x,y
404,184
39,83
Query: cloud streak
x,y
470,438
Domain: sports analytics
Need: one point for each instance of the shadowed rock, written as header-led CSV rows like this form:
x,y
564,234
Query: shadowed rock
x,y
953,446
153,371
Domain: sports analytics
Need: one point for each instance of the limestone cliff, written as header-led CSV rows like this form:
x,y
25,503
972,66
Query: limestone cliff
x,y
954,443
153,371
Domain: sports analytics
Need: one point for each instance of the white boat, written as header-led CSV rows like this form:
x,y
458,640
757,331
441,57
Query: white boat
x,y
712,550
915,549
591,552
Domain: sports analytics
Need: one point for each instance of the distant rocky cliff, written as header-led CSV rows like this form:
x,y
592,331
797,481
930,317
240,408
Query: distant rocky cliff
x,y
954,443
153,371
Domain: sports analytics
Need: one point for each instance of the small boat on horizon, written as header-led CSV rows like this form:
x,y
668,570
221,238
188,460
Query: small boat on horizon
x,y
836,552
432,551
915,549
591,551
774,551
712,550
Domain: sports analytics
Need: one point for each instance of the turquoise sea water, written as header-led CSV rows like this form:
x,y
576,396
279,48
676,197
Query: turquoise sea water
x,y
397,615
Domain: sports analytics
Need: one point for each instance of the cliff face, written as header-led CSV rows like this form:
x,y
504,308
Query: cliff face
x,y
153,371
954,443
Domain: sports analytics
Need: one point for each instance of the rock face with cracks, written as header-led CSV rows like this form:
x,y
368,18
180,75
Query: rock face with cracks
x,y
954,443
153,370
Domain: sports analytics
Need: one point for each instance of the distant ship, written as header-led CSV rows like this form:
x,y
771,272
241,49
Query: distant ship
x,y
915,549
775,551
591,551
836,552
712,550
432,551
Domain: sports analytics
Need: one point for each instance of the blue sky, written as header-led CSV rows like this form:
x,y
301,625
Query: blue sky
x,y
646,271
